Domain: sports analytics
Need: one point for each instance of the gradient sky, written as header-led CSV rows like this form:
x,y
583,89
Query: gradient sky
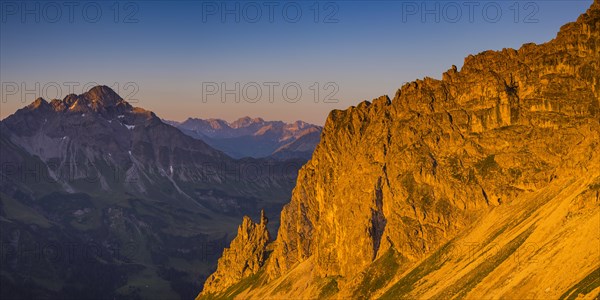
x,y
162,55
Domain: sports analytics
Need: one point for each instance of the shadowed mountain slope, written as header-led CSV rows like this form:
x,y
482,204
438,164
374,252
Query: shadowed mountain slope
x,y
154,205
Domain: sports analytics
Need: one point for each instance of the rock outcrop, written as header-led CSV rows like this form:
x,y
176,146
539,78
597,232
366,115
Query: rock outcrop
x,y
244,257
480,154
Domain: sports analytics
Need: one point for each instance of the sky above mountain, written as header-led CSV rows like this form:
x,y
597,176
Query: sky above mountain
x,y
177,57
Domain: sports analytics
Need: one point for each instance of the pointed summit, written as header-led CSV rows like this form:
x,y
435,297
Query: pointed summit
x,y
246,254
39,102
246,121
70,99
103,96
263,218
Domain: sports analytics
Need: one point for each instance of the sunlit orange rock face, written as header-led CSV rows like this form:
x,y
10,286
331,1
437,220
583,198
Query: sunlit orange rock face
x,y
484,184
244,257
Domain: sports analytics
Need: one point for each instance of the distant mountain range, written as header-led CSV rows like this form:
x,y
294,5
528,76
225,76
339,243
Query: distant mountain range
x,y
155,205
255,137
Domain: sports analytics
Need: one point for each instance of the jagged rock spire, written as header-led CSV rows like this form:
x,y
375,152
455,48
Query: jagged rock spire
x,y
263,218
245,256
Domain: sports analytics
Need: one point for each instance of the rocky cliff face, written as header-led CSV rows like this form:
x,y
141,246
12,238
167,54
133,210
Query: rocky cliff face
x,y
245,256
394,182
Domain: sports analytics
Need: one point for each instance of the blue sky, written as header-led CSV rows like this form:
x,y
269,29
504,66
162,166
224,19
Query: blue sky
x,y
176,57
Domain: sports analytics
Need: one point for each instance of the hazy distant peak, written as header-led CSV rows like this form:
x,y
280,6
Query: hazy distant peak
x,y
218,123
299,125
203,124
252,137
246,121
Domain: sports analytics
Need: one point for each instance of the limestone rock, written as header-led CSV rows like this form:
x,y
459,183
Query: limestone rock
x,y
392,182
244,257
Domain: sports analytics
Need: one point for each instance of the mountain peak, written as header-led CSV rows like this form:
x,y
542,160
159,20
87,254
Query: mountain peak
x,y
246,121
38,103
585,24
70,99
253,137
97,99
199,124
103,95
